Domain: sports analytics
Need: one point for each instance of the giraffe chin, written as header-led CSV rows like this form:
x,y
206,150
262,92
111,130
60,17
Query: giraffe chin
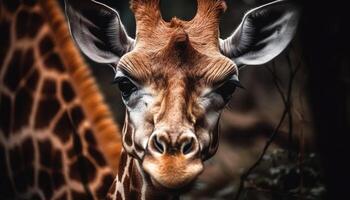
x,y
172,172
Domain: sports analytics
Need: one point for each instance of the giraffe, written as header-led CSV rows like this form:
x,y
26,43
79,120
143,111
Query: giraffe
x,y
175,79
57,136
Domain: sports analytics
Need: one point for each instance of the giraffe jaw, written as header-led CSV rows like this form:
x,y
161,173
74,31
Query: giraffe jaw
x,y
172,172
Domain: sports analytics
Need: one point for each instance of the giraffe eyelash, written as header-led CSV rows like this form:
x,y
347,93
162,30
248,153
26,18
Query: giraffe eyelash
x,y
231,80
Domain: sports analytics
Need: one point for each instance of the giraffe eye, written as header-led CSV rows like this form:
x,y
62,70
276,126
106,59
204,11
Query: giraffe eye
x,y
226,89
126,87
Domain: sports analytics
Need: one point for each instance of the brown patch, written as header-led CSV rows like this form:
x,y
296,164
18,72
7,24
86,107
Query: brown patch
x,y
78,165
136,178
6,189
13,76
131,166
28,151
27,176
49,87
5,114
45,184
23,178
45,153
138,148
77,115
58,179
53,61
15,159
32,80
18,68
57,160
67,91
63,128
27,62
3,167
11,5
22,110
48,108
134,194
126,184
128,135
122,164
106,182
90,138
79,195
97,156
118,196
5,39
19,179
46,45
28,24
113,187
71,153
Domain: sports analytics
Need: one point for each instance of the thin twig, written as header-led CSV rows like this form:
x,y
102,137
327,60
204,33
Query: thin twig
x,y
257,162
287,110
289,105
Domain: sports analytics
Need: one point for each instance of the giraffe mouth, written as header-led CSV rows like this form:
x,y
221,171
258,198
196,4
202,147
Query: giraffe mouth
x,y
178,190
172,171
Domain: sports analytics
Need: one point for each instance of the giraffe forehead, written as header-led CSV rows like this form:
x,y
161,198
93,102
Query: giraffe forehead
x,y
160,69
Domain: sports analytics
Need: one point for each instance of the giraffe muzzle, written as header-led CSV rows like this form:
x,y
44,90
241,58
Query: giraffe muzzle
x,y
173,161
185,144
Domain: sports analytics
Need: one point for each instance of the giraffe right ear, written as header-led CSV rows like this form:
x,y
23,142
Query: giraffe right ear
x,y
97,30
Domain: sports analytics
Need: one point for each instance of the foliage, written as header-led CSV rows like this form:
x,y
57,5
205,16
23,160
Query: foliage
x,y
288,176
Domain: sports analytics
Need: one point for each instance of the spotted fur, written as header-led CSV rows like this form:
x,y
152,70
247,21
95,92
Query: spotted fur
x,y
52,116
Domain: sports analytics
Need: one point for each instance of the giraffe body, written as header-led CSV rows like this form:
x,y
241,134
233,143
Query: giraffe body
x,y
51,110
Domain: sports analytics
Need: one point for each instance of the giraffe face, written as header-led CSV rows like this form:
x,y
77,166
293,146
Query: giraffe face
x,y
173,108
177,76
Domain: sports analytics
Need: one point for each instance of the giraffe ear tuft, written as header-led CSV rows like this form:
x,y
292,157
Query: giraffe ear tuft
x,y
97,30
263,33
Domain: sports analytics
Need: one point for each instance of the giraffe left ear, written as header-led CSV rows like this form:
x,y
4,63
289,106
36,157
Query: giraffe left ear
x,y
263,34
97,30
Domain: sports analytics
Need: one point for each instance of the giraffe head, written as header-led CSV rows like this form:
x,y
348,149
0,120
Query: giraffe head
x,y
176,77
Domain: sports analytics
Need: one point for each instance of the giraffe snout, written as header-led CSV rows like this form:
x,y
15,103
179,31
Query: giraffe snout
x,y
185,144
173,159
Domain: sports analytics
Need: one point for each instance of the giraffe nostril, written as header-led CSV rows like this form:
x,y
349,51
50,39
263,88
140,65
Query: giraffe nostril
x,y
187,147
158,145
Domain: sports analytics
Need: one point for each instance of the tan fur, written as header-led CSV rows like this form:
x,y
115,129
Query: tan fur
x,y
199,35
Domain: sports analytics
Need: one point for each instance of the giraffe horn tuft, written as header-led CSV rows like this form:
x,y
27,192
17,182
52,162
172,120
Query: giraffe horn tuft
x,y
211,8
146,10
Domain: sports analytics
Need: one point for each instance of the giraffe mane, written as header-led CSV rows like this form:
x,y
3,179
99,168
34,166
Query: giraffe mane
x,y
107,131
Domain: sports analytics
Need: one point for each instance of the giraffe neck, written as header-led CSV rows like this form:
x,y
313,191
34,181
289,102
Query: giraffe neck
x,y
52,117
132,183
